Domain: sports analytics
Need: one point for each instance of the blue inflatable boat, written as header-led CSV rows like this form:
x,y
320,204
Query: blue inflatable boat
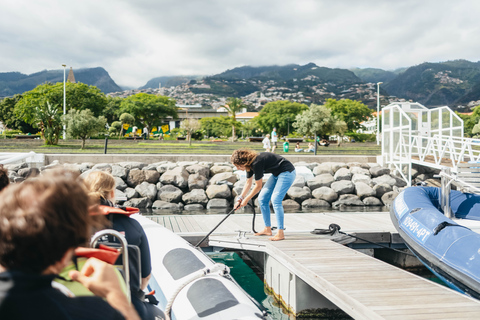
x,y
451,251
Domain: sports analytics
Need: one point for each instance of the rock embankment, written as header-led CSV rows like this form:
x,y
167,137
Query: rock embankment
x,y
199,185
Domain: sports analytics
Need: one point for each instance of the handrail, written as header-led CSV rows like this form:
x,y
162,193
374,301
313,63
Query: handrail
x,y
124,247
6,158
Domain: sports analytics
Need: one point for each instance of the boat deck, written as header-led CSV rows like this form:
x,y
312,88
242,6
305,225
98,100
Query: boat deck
x,y
362,286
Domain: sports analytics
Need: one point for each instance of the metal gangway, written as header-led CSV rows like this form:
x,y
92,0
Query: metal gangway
x,y
29,157
412,133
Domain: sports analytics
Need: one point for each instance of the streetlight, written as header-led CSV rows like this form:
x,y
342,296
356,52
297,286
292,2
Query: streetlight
x,y
64,104
378,112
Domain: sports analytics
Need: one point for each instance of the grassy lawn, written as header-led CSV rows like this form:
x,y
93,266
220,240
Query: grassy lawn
x,y
172,147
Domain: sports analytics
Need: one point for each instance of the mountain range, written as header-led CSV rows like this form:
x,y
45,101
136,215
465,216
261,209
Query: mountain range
x,y
449,83
12,83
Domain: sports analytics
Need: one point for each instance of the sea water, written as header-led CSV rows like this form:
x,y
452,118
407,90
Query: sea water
x,y
253,285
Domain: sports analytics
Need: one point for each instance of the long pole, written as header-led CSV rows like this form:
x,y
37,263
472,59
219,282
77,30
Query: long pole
x,y
378,112
64,104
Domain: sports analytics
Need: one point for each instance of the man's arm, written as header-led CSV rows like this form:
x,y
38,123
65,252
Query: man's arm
x,y
100,278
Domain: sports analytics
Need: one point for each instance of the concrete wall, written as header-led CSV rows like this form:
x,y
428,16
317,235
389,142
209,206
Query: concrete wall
x,y
151,158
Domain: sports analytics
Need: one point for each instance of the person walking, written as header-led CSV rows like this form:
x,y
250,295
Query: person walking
x,y
274,139
266,143
283,174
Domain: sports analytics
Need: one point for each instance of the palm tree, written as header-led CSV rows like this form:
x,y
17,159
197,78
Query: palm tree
x,y
233,106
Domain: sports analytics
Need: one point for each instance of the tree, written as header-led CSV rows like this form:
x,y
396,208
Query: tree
x,y
115,128
149,109
48,120
126,118
233,106
350,111
218,126
79,96
315,121
280,115
112,109
190,126
83,124
339,129
8,117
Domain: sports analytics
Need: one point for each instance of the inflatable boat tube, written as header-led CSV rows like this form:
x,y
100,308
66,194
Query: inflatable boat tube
x,y
187,282
449,250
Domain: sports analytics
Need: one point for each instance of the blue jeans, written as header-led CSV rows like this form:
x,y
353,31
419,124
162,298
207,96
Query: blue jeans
x,y
275,189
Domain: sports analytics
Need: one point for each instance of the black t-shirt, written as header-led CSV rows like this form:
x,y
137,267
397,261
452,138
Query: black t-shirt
x,y
26,296
268,162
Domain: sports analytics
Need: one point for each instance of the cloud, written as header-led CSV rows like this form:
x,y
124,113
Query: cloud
x,y
138,40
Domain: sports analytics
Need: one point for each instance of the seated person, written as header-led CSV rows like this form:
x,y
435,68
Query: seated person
x,y
311,148
323,143
42,221
101,187
298,148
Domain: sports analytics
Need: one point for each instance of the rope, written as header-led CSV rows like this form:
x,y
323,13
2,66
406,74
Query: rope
x,y
218,268
335,228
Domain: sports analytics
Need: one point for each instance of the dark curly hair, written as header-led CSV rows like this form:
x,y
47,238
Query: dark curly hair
x,y
4,181
243,157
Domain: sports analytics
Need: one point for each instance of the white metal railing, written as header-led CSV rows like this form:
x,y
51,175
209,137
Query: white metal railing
x,y
9,157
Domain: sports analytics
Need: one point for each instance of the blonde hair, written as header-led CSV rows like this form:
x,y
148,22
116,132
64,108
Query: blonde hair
x,y
243,157
99,184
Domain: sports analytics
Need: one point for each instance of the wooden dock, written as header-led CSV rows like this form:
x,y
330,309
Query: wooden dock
x,y
362,286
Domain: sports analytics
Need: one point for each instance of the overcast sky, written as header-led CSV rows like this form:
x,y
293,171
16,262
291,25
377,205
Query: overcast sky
x,y
142,39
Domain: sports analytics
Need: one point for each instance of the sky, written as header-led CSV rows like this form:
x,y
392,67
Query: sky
x,y
137,40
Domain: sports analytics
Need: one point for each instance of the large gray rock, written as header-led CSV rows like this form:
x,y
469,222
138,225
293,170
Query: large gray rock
x,y
322,168
218,204
170,193
322,180
120,184
360,170
194,207
400,182
132,165
385,179
358,177
220,169
381,189
364,190
177,176
119,171
299,194
347,200
379,171
186,163
309,165
147,190
28,172
314,203
342,174
164,167
138,203
299,182
388,197
221,191
103,167
131,193
372,201
195,196
290,205
200,169
151,176
135,177
197,181
224,176
164,205
325,193
343,187
15,167
338,165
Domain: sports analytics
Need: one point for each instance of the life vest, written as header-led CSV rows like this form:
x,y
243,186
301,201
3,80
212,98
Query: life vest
x,y
106,210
